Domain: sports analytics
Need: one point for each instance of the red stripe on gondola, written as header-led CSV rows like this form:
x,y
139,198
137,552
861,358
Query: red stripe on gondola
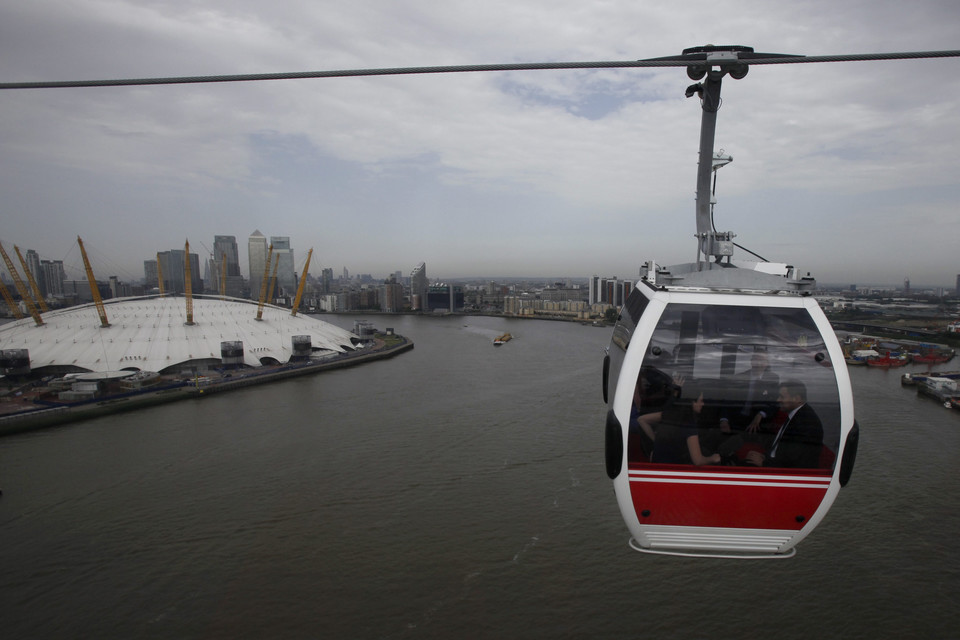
x,y
738,498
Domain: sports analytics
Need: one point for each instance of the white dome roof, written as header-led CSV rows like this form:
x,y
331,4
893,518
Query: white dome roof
x,y
150,334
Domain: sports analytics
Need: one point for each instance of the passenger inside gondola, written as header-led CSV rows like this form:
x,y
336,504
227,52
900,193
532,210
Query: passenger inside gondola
x,y
753,399
675,431
655,390
798,442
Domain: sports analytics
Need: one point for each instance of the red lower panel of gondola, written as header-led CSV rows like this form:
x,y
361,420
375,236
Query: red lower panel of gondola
x,y
732,497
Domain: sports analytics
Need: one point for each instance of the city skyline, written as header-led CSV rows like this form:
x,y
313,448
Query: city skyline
x,y
844,170
146,273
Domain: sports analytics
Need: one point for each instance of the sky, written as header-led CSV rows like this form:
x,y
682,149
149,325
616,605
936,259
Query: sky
x,y
846,170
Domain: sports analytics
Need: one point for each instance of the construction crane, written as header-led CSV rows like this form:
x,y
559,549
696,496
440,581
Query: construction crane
x,y
188,282
159,274
32,281
303,281
21,288
94,290
223,277
14,307
263,283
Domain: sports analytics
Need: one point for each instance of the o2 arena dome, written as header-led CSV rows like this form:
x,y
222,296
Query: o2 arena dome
x,y
152,334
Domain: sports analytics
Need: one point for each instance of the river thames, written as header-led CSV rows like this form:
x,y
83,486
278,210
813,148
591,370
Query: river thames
x,y
455,491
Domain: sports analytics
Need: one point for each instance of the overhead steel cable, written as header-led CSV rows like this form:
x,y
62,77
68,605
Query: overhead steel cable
x,y
678,61
861,57
343,73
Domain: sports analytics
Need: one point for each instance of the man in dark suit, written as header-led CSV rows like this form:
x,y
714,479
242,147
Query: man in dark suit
x,y
799,440
758,402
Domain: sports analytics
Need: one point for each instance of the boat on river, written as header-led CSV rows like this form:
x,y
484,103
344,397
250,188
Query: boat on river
x,y
859,357
943,390
499,340
912,379
888,361
932,357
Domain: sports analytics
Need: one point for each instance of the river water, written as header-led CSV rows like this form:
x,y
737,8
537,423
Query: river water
x,y
455,491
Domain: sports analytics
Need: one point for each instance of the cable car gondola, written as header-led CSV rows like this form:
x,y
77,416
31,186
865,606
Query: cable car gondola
x,y
730,426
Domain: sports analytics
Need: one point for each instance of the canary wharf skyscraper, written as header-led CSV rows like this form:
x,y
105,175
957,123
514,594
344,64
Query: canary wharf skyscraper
x,y
257,259
286,276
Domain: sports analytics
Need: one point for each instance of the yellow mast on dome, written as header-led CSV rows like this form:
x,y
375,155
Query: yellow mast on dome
x,y
223,277
32,281
159,275
21,288
188,282
273,278
94,290
263,282
303,281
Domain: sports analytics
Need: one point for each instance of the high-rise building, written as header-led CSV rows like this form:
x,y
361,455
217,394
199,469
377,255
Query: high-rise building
x,y
150,277
326,280
173,266
419,287
286,276
257,259
226,246
33,265
611,291
211,276
391,300
53,276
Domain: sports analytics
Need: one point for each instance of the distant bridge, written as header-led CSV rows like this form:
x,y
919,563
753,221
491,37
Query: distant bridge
x,y
866,327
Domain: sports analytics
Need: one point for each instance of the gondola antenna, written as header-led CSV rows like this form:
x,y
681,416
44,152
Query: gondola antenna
x,y
720,160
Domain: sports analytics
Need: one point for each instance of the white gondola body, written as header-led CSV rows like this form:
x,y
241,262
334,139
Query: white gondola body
x,y
732,509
